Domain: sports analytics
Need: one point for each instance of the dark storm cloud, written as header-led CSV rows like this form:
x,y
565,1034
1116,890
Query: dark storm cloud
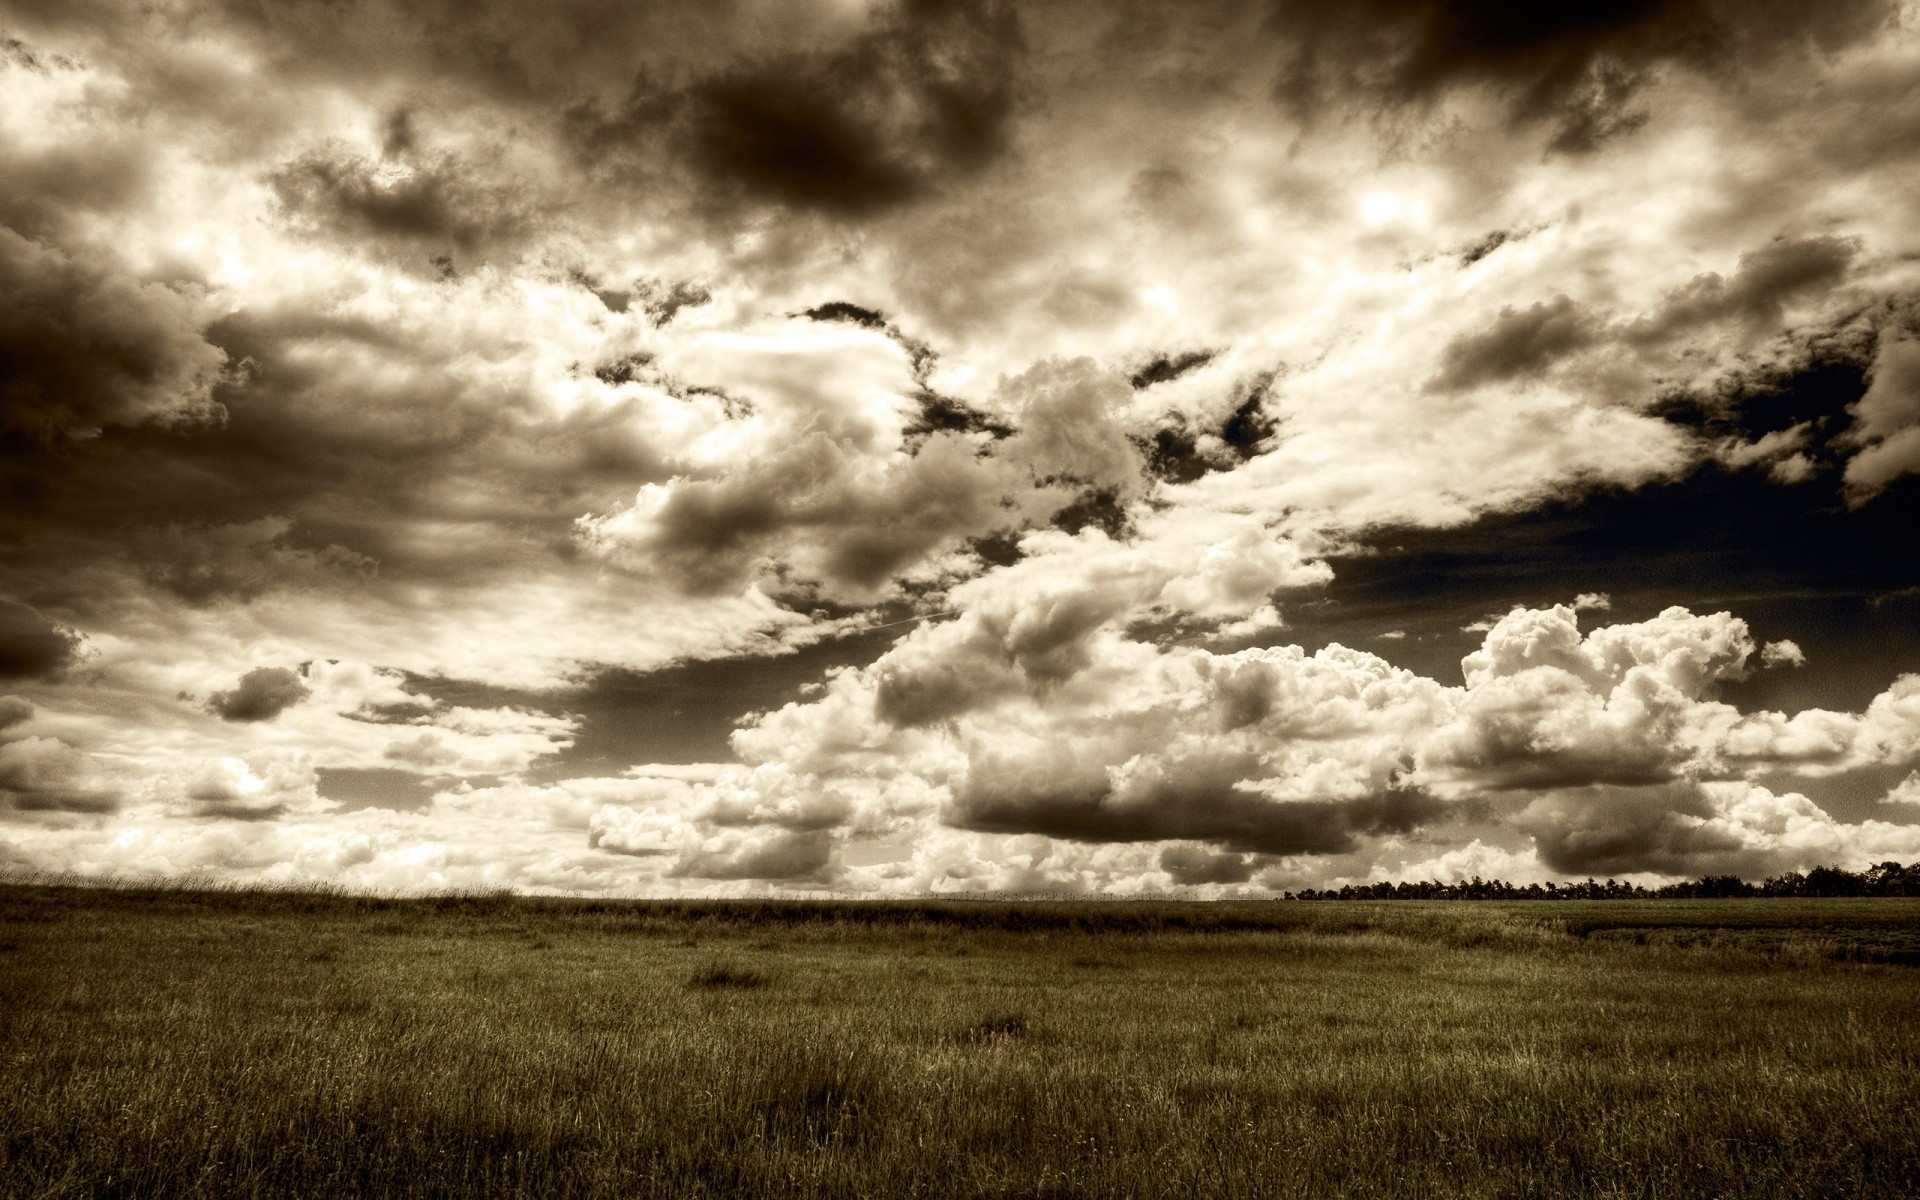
x,y
1081,807
1518,343
205,564
1528,343
926,95
314,478
82,347
714,534
1579,66
853,314
1616,830
759,854
261,695
1165,368
923,96
432,203
1192,865
31,646
810,107
1765,280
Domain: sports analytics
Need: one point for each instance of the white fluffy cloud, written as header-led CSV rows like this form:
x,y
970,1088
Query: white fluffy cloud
x,y
1072,758
1608,749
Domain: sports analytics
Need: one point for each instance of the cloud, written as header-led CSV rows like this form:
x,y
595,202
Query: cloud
x,y
758,854
816,482
1190,865
203,564
31,646
1697,829
1783,653
1576,66
842,492
1517,344
14,711
437,205
922,95
267,786
1041,717
813,507
460,741
1024,409
1612,743
1821,742
1758,291
45,775
1546,707
83,347
261,695
1527,344
1886,424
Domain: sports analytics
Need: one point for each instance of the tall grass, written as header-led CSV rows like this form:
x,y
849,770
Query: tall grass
x,y
161,1043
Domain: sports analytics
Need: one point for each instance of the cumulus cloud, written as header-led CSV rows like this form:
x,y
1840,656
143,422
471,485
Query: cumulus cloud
x,y
847,491
1783,653
1612,741
268,786
261,695
1544,706
1189,864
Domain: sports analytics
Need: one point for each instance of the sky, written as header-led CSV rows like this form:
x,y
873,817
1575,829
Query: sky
x,y
947,446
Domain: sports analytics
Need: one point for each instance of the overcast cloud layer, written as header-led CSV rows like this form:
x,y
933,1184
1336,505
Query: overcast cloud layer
x,y
1221,447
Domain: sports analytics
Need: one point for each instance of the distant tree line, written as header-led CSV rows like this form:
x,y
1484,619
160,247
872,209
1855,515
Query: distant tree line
x,y
1886,879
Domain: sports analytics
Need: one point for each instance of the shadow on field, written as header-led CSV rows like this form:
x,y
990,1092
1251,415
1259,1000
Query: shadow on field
x,y
728,975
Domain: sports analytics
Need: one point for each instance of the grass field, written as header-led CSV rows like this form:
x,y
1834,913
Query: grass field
x,y
235,1044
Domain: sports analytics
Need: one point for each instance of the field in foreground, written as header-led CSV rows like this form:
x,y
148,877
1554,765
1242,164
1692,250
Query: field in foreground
x,y
221,1044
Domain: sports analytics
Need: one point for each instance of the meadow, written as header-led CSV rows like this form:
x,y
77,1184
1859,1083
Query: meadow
x,y
215,1043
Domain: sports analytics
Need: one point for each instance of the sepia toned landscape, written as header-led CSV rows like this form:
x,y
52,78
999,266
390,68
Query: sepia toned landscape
x,y
959,598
